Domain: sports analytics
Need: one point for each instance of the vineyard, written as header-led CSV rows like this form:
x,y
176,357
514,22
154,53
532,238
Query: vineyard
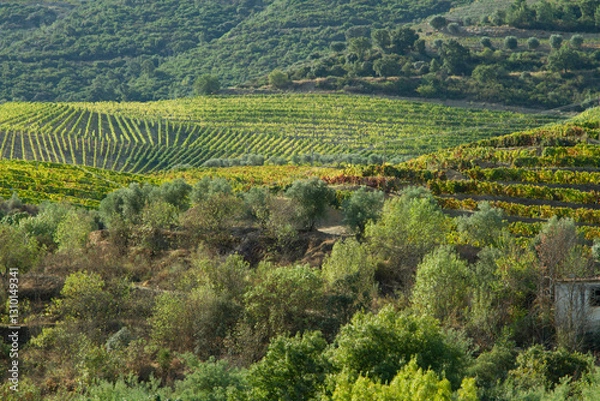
x,y
158,136
35,182
531,176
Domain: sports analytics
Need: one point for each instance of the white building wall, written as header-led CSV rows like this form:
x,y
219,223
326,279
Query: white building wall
x,y
573,307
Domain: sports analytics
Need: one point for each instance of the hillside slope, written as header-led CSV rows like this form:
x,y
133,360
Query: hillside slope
x,y
531,175
147,137
135,50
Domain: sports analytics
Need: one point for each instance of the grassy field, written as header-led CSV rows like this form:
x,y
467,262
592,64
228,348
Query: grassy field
x,y
157,136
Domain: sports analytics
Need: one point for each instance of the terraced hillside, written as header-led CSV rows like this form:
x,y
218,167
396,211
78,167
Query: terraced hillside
x,y
531,175
36,182
150,137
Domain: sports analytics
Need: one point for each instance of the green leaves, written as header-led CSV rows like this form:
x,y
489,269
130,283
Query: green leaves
x,y
294,368
312,197
378,346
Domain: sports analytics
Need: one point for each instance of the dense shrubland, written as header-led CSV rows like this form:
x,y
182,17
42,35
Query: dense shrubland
x,y
188,291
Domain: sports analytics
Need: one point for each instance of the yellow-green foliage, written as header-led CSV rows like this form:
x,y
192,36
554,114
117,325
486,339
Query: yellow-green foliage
x,y
143,137
410,384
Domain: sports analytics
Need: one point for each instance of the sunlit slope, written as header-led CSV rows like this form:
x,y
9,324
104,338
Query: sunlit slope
x,y
36,182
531,175
156,136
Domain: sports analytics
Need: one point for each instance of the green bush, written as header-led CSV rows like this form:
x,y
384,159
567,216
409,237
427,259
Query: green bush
x,y
294,368
438,22
412,383
211,380
279,79
361,208
576,41
556,41
312,197
207,85
533,43
442,286
511,42
453,28
486,42
378,346
537,367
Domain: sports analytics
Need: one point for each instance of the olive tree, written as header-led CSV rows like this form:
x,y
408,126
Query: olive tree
x,y
409,228
442,286
294,368
379,345
362,206
312,197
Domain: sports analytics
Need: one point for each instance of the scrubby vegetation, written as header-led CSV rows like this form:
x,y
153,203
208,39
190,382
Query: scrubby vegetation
x,y
187,290
285,246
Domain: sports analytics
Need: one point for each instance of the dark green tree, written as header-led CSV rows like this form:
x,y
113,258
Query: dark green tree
x,y
279,79
403,40
382,39
438,22
456,57
533,43
362,206
312,197
207,85
511,42
556,41
294,368
387,66
378,346
576,41
486,42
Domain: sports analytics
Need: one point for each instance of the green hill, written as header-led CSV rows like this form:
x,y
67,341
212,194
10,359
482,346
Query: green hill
x,y
135,50
148,137
531,175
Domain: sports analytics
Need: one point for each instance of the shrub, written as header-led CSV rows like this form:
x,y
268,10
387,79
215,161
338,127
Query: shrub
x,y
486,42
196,321
577,41
453,28
210,380
379,345
411,383
17,251
208,187
556,41
124,204
533,43
438,22
279,79
337,47
482,227
85,301
349,272
511,42
43,226
362,206
174,192
266,316
537,367
312,197
442,285
293,369
72,233
409,228
207,85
